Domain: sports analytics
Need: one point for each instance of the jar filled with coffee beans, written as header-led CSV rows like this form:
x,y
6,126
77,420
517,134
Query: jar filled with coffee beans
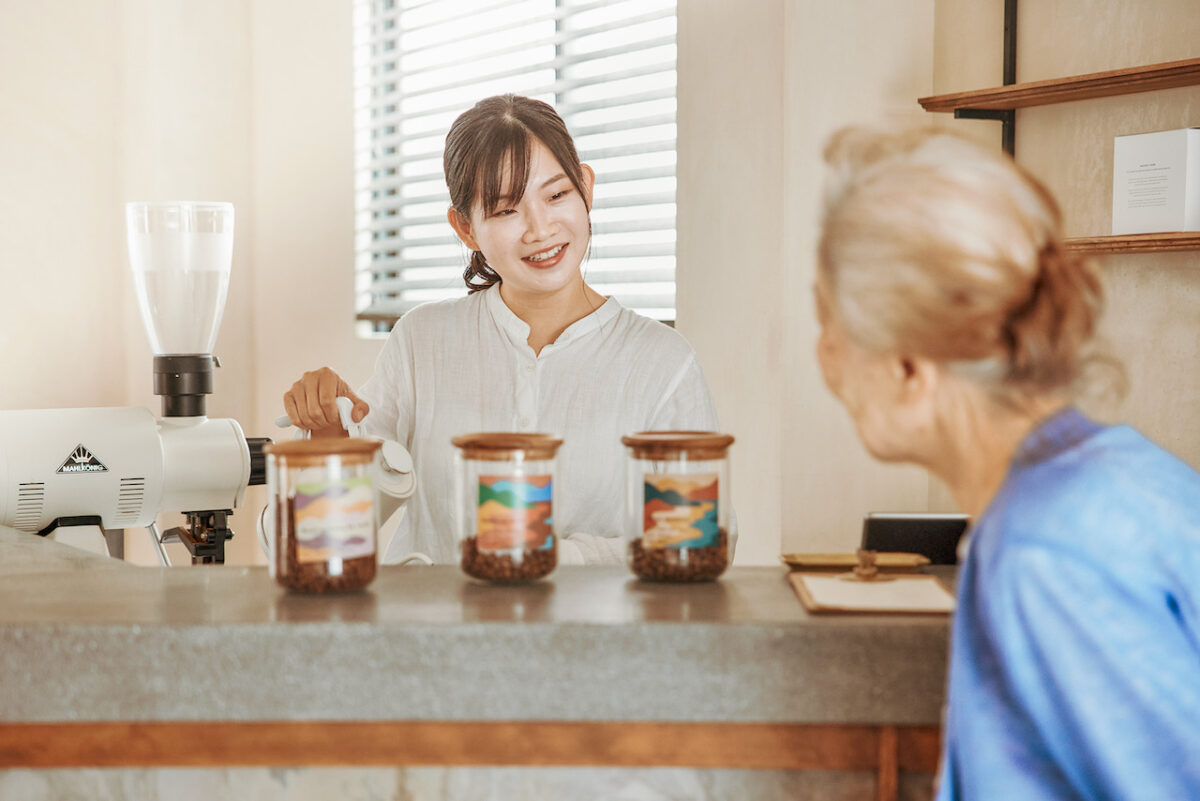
x,y
677,504
506,505
323,512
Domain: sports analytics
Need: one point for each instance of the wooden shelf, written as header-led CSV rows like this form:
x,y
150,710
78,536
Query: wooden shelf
x,y
1136,243
1168,75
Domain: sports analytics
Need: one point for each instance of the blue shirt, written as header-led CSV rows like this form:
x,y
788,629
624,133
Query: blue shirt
x,y
1075,664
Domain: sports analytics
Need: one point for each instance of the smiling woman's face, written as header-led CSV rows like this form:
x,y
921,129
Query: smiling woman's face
x,y
536,244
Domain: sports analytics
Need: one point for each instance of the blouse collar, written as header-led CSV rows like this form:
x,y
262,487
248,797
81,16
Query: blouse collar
x,y
518,329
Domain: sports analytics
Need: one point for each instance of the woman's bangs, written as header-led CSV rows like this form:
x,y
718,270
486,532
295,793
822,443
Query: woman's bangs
x,y
504,169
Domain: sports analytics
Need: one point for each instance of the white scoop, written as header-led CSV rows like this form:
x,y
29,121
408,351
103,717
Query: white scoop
x,y
395,481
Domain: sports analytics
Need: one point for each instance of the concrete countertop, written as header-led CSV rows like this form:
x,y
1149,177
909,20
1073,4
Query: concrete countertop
x,y
85,638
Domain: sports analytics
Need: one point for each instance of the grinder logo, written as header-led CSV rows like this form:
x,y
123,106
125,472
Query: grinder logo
x,y
81,460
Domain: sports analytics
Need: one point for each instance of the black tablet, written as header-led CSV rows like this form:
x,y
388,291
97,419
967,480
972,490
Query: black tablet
x,y
933,535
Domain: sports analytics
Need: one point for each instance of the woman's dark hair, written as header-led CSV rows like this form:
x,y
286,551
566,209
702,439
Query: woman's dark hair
x,y
494,137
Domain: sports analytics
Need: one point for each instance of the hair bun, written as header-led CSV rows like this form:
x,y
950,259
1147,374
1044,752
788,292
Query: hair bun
x,y
478,274
1047,332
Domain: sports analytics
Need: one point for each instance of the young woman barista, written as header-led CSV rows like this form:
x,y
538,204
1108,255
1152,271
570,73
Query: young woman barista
x,y
531,348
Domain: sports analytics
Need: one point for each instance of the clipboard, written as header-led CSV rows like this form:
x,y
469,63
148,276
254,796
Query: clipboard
x,y
842,562
905,593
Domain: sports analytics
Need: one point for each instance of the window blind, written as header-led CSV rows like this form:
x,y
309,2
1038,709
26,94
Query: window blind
x,y
607,67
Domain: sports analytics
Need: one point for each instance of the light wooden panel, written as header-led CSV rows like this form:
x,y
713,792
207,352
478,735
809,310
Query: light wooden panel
x,y
1168,75
1136,243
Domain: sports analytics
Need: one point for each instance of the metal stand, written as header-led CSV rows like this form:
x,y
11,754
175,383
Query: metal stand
x,y
114,540
204,536
156,538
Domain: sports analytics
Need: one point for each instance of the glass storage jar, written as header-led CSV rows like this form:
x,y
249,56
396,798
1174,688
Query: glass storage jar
x,y
505,491
324,513
677,504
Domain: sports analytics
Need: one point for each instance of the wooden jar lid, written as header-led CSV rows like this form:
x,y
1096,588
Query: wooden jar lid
x,y
310,452
506,446
656,445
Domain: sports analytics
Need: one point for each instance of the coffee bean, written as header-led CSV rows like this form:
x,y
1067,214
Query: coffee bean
x,y
314,577
680,564
515,565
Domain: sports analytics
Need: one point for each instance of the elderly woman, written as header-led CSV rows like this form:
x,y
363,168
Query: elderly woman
x,y
955,327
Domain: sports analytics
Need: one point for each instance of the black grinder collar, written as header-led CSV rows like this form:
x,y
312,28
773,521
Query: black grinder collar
x,y
183,379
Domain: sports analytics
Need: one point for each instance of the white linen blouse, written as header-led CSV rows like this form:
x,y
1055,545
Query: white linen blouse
x,y
462,366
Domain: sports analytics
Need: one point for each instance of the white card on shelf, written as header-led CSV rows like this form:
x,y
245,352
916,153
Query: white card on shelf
x,y
1156,182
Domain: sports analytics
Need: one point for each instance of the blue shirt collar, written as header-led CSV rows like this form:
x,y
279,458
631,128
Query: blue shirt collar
x,y
1059,432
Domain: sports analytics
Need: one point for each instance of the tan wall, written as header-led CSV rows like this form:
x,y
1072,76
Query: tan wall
x,y
1153,322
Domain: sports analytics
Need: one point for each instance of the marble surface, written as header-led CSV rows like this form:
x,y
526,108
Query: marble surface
x,y
87,638
29,555
451,784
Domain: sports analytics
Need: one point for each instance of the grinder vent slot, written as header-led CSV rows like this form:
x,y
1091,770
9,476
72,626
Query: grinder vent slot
x,y
30,497
129,500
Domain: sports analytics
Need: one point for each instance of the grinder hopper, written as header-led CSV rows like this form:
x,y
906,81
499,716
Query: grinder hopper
x,y
180,254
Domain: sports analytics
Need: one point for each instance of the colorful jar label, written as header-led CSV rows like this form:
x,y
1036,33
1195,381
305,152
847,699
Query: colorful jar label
x,y
515,512
680,511
334,519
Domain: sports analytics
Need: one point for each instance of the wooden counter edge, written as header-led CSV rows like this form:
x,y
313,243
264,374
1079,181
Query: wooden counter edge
x,y
886,750
766,746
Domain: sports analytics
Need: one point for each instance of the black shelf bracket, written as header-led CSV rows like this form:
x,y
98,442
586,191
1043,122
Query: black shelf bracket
x,y
1008,123
1007,116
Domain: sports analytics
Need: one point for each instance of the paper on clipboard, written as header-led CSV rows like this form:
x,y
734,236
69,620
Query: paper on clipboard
x,y
913,594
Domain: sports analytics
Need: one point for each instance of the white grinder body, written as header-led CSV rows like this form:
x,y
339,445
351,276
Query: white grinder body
x,y
119,464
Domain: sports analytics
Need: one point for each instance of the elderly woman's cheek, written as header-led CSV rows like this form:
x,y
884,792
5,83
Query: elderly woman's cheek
x,y
827,358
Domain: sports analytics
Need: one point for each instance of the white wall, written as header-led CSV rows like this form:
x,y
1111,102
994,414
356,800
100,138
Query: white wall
x,y
863,63
303,143
761,87
62,331
730,239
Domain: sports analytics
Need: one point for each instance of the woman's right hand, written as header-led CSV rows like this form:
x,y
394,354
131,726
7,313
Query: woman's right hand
x,y
310,403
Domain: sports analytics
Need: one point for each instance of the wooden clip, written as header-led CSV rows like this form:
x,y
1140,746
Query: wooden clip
x,y
866,569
